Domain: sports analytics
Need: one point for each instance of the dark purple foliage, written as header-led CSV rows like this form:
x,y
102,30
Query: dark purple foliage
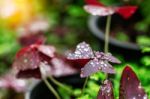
x,y
130,86
39,60
106,91
96,65
95,61
28,60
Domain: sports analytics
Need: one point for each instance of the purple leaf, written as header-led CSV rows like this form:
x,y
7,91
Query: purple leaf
x,y
47,50
94,66
91,67
130,86
99,10
27,58
83,51
111,58
106,91
106,67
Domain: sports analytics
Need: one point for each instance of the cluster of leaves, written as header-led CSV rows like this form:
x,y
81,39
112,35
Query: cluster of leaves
x,y
96,78
93,61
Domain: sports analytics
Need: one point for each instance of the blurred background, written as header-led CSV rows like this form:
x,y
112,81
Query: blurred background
x,y
64,23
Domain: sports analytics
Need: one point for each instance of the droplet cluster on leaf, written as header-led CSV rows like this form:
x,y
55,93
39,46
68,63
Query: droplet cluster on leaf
x,y
106,90
98,61
96,8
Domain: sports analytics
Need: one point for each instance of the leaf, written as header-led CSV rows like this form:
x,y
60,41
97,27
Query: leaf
x,y
99,10
94,66
83,51
106,91
47,50
130,86
29,59
29,73
26,58
126,11
107,57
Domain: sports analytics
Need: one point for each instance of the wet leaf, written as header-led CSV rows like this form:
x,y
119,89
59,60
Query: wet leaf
x,y
108,57
29,59
99,10
106,91
83,51
94,66
93,61
130,86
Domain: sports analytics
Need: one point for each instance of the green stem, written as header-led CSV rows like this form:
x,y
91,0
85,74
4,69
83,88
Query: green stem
x,y
59,84
51,88
107,31
84,85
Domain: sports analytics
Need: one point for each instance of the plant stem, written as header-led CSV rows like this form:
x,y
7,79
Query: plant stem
x,y
59,84
107,31
84,85
51,88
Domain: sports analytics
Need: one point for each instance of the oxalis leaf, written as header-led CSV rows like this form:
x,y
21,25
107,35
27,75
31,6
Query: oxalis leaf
x,y
130,86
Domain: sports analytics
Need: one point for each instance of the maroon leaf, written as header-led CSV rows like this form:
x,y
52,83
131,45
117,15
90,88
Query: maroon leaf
x,y
83,51
99,10
27,58
92,61
30,73
79,63
93,2
106,91
130,86
91,67
94,66
126,11
96,8
107,57
32,39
